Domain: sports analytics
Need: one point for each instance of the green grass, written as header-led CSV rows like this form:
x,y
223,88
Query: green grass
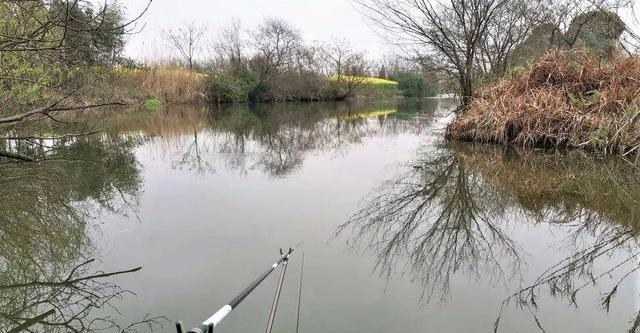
x,y
152,104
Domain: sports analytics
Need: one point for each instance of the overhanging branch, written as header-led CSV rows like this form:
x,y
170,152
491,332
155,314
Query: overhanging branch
x,y
46,111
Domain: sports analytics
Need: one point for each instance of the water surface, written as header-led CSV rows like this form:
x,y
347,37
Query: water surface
x,y
402,232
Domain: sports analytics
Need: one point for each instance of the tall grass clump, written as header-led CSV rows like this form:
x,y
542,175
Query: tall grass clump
x,y
168,84
569,99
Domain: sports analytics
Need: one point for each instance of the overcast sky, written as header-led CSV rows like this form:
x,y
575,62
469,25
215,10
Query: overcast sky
x,y
318,20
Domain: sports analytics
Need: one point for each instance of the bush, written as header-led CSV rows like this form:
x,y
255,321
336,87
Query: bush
x,y
414,85
225,88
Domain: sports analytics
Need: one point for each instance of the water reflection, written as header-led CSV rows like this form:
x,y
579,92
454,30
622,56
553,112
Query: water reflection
x,y
272,138
452,212
276,139
49,210
46,214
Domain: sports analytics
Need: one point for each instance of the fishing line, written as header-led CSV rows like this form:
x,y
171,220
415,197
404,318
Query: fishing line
x,y
300,292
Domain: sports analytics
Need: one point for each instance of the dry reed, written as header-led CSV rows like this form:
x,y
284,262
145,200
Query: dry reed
x,y
565,99
169,84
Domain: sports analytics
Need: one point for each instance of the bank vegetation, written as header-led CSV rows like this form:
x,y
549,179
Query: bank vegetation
x,y
562,73
271,63
565,99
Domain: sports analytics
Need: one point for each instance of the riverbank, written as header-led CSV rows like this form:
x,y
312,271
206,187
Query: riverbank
x,y
175,85
570,99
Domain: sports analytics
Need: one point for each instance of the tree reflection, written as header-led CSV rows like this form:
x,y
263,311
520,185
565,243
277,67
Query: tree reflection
x,y
46,209
66,304
593,201
449,213
276,138
440,217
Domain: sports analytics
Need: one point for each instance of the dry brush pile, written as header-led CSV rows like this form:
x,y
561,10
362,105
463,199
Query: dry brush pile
x,y
566,99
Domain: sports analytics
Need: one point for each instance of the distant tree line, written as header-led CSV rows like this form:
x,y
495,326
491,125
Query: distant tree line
x,y
273,63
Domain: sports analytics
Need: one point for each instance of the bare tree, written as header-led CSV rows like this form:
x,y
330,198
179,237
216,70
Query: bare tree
x,y
186,40
511,25
277,43
346,67
452,31
230,46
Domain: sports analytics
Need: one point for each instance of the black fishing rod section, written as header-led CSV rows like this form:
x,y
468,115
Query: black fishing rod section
x,y
213,321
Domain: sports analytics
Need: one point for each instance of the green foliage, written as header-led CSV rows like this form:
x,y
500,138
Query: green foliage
x,y
414,85
95,35
63,46
227,88
25,76
517,71
152,104
385,88
598,30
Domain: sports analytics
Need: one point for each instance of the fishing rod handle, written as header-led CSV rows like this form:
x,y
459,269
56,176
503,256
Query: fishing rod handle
x,y
213,321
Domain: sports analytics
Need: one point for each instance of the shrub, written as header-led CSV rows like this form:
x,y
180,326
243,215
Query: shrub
x,y
347,85
226,88
414,85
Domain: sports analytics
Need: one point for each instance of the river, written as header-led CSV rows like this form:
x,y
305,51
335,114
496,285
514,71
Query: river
x,y
401,231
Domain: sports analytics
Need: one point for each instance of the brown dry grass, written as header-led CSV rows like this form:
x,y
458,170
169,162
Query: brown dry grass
x,y
169,84
566,99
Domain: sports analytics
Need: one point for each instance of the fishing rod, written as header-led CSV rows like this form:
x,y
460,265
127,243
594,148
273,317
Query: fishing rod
x,y
276,298
213,321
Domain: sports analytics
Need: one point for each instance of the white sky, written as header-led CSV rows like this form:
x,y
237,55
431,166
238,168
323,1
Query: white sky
x,y
318,20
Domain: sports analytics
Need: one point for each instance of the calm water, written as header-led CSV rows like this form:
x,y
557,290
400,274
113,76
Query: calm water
x,y
401,232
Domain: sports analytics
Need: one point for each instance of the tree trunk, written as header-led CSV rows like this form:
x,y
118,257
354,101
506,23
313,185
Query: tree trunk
x,y
466,91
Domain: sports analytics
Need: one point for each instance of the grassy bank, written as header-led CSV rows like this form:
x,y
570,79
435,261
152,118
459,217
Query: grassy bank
x,y
565,99
176,85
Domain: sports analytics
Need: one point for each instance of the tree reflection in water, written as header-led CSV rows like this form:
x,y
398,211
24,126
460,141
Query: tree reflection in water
x,y
440,216
46,210
449,213
275,138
